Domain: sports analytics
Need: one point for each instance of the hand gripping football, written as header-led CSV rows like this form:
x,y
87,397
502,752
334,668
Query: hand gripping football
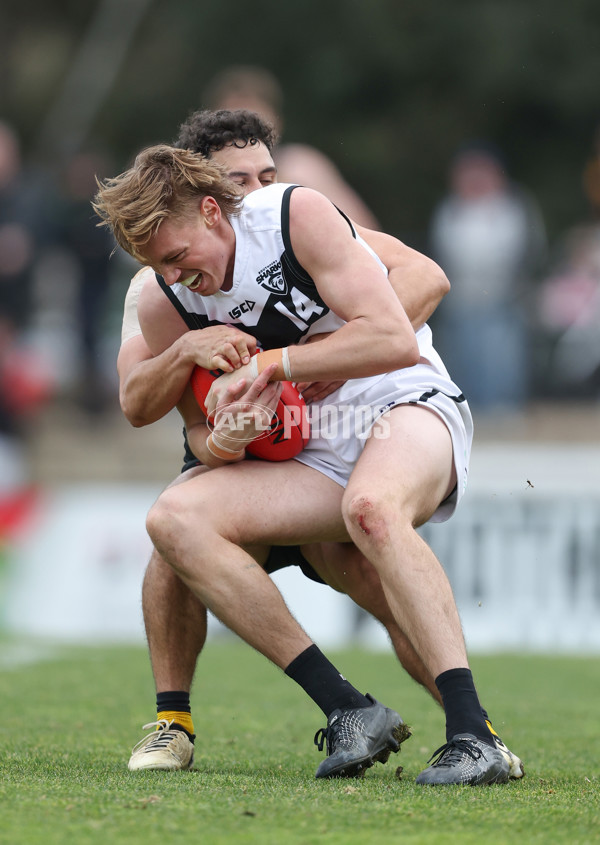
x,y
288,433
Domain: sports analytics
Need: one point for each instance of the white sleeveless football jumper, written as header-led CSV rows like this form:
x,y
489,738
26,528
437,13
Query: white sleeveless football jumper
x,y
275,300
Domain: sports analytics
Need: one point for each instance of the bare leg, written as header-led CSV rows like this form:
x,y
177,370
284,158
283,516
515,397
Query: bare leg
x,y
344,568
200,531
214,530
396,486
175,622
174,619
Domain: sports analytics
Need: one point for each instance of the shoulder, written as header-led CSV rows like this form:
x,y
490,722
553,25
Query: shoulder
x,y
137,283
160,322
151,297
267,197
319,234
131,324
312,210
261,210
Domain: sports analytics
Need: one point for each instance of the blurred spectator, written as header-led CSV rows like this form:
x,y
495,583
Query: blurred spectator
x,y
489,237
27,226
256,89
90,246
591,177
26,229
569,317
17,240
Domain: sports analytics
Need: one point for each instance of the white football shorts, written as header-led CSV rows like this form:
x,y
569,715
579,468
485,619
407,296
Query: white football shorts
x,y
341,423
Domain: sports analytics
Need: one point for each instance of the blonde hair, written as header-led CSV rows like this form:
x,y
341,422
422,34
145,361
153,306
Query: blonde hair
x,y
163,182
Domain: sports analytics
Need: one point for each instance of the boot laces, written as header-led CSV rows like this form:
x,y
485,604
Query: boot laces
x,y
160,738
451,753
341,731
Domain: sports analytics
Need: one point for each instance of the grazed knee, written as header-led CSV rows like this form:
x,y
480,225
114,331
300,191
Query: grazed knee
x,y
367,518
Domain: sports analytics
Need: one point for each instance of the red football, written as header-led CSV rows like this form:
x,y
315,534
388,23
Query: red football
x,y
288,433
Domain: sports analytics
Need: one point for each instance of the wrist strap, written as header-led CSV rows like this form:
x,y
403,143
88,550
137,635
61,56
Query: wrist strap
x,y
222,452
280,357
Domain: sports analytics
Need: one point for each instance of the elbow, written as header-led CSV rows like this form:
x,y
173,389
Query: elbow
x,y
443,282
412,355
133,416
136,421
404,351
438,280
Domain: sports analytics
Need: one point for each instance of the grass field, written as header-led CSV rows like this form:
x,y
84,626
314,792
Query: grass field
x,y
70,719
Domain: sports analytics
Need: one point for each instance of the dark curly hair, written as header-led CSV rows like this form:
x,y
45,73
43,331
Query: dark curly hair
x,y
206,131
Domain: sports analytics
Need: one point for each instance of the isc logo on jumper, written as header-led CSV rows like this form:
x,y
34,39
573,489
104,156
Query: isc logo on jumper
x,y
242,308
271,278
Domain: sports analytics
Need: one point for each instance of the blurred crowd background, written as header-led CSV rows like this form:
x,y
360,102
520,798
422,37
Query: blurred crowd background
x,y
469,130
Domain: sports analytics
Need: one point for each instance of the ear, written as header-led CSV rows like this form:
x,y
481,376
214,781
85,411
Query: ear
x,y
210,211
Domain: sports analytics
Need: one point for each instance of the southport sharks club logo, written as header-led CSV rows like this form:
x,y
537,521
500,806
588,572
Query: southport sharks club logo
x,y
271,278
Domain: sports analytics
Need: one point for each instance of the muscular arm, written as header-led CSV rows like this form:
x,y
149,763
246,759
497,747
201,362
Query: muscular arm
x,y
149,387
418,282
244,420
377,336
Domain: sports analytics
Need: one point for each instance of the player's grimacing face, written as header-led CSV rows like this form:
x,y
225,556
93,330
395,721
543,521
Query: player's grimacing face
x,y
185,250
251,167
194,249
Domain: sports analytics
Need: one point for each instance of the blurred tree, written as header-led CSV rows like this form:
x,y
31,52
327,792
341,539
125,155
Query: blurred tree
x,y
386,89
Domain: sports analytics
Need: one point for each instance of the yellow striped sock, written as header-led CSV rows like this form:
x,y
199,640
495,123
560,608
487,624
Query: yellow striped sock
x,y
179,716
492,731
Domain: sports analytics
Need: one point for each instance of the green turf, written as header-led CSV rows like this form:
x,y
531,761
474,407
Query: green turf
x,y
68,723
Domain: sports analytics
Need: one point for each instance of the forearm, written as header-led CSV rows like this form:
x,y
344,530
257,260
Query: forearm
x,y
208,450
420,285
358,349
151,386
418,282
154,386
332,360
248,410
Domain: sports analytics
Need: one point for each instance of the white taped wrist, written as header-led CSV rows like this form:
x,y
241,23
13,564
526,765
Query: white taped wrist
x,y
285,361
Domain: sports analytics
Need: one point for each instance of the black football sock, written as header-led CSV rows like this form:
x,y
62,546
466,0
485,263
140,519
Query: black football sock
x,y
174,706
461,705
323,683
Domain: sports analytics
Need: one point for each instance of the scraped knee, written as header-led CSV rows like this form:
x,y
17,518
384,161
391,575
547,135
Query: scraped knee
x,y
366,518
